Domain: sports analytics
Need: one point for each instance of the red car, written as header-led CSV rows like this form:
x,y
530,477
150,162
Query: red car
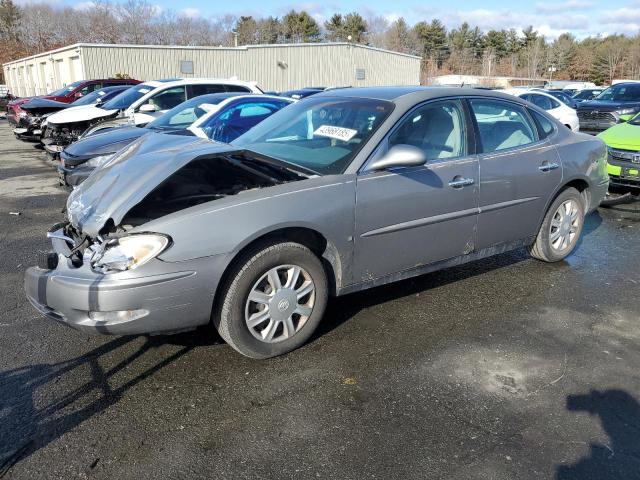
x,y
67,94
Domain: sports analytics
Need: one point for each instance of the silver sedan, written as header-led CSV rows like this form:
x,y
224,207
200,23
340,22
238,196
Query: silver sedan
x,y
345,190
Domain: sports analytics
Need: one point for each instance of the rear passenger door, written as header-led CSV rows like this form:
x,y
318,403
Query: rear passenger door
x,y
519,170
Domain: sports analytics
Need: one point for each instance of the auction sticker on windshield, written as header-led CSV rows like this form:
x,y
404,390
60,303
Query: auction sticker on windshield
x,y
339,133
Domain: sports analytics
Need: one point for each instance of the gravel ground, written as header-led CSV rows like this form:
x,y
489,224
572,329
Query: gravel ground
x,y
506,368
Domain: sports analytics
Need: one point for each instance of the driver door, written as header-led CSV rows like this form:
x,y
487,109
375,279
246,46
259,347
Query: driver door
x,y
414,216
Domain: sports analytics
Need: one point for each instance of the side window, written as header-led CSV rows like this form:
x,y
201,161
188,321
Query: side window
x,y
502,125
167,99
437,128
236,88
197,90
87,89
545,127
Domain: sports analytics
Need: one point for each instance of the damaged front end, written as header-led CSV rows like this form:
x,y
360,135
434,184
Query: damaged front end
x,y
107,272
57,136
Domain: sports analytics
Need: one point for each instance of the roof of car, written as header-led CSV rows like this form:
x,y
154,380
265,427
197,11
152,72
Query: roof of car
x,y
195,81
416,93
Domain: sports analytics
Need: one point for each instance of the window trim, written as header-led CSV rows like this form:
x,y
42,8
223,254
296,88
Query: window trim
x,y
538,140
539,127
383,144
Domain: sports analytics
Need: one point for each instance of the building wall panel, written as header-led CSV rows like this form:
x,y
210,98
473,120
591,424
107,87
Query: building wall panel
x,y
273,67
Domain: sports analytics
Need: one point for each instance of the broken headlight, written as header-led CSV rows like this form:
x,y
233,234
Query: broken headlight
x,y
128,252
99,161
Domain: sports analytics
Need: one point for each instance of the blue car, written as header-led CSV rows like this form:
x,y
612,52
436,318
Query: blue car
x,y
221,117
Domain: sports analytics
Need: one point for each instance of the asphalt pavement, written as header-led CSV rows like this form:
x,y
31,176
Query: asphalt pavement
x,y
506,368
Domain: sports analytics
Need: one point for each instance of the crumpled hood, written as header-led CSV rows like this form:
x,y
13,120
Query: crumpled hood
x,y
82,113
110,192
104,143
38,103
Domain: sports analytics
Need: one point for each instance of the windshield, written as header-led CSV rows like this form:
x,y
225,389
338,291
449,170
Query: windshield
x,y
126,98
184,114
322,134
65,90
89,98
621,93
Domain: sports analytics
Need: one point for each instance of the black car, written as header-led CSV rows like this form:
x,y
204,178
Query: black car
x,y
29,126
587,94
616,104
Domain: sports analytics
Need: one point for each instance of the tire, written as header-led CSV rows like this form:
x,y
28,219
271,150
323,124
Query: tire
x,y
276,327
547,246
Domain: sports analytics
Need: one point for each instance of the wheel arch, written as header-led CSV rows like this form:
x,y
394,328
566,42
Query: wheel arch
x,y
579,183
308,236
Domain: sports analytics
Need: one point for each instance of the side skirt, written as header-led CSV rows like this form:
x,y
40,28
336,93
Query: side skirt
x,y
441,265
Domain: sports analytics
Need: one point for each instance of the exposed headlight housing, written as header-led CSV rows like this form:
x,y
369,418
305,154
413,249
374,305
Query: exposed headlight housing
x,y
128,252
627,111
99,161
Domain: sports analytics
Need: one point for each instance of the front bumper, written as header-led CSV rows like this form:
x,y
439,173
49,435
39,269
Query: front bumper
x,y
72,177
176,296
623,173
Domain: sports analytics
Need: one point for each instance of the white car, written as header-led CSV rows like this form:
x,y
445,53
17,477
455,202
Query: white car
x,y
138,105
563,113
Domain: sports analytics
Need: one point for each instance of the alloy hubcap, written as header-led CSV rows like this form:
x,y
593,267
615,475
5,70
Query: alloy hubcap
x,y
280,303
564,225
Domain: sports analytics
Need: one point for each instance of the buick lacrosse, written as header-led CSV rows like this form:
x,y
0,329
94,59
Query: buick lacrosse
x,y
345,190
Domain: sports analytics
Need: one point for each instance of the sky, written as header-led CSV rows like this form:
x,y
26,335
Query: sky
x,y
551,18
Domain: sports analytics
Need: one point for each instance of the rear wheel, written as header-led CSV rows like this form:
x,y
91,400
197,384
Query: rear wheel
x,y
274,300
561,227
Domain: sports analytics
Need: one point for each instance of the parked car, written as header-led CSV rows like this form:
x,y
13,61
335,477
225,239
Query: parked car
x,y
302,92
29,127
137,106
587,94
563,113
342,191
623,142
221,117
67,94
616,104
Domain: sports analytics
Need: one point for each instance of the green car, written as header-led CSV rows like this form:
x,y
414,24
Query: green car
x,y
623,142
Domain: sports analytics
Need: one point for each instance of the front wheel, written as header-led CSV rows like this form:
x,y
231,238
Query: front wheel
x,y
561,227
274,301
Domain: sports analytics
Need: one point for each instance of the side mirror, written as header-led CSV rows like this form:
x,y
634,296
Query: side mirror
x,y
78,95
148,108
400,156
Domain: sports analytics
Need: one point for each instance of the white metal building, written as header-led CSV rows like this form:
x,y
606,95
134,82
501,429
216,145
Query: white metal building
x,y
273,67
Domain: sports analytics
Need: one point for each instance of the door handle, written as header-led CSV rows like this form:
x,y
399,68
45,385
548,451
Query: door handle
x,y
459,182
546,167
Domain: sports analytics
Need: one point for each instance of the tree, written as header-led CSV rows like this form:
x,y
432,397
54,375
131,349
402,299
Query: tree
x,y
298,27
269,30
335,28
398,38
247,31
10,15
432,41
355,27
